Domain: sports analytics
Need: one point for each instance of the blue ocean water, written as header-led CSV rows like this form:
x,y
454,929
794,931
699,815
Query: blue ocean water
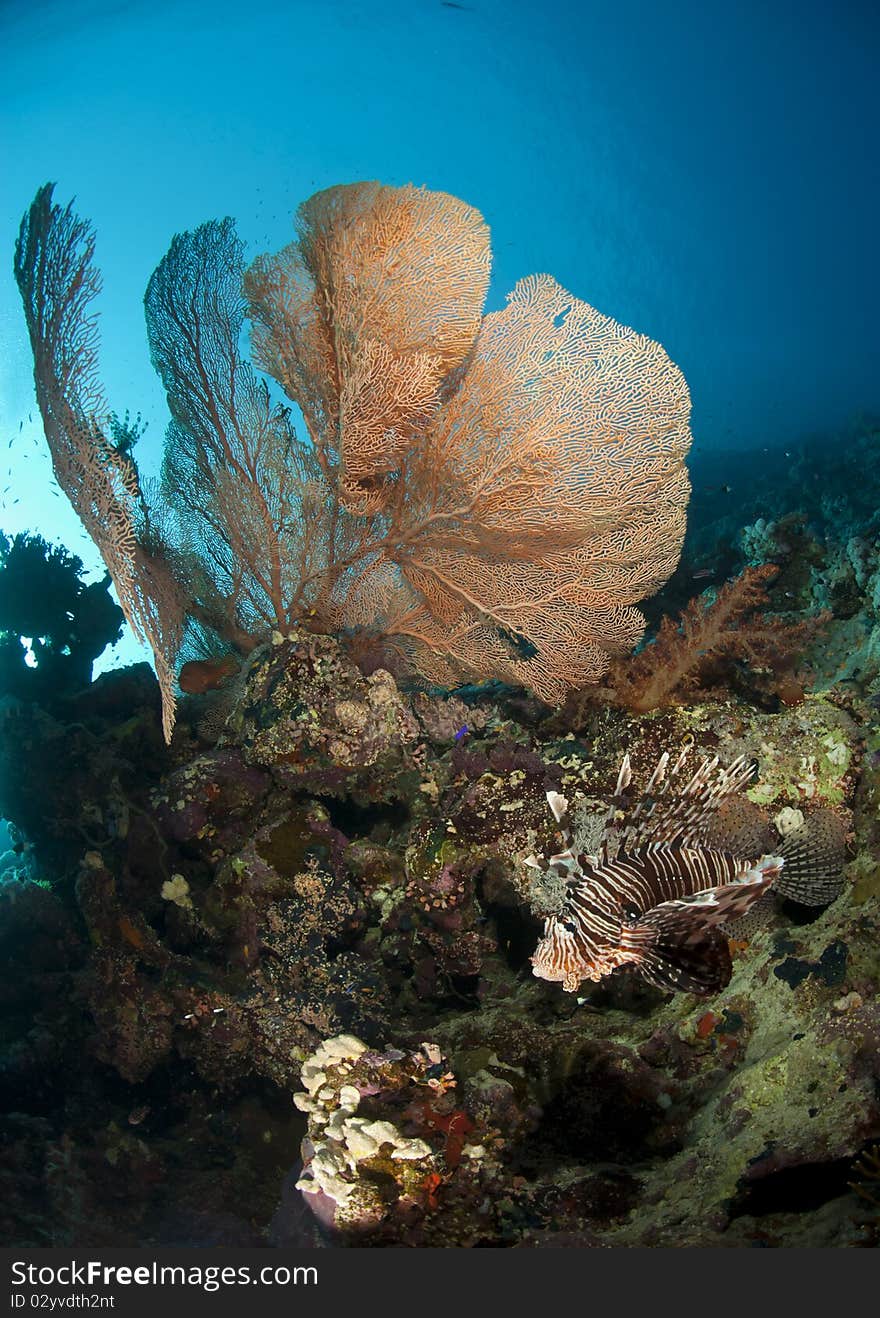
x,y
702,172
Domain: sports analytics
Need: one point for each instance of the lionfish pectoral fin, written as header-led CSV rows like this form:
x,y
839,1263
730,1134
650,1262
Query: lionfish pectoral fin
x,y
729,901
678,945
675,953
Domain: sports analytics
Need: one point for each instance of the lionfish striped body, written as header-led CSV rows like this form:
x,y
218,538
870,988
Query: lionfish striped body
x,y
654,896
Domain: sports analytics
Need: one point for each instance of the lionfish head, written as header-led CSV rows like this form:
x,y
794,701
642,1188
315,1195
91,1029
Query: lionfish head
x,y
559,956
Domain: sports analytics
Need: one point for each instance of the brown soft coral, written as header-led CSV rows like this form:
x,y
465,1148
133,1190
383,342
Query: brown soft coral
x,y
692,658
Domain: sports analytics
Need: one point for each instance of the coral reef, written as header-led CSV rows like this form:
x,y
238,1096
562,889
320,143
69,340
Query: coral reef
x,y
296,910
309,714
268,980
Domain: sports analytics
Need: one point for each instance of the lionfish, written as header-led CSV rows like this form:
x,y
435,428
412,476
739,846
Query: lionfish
x,y
662,884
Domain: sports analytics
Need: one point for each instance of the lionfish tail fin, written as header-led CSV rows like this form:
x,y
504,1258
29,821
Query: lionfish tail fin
x,y
815,855
674,808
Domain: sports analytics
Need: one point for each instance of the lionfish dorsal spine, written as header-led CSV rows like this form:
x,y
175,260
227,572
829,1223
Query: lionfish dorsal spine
x,y
624,778
659,773
558,805
666,812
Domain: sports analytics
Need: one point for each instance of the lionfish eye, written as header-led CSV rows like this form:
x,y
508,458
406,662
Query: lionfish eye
x,y
630,912
569,926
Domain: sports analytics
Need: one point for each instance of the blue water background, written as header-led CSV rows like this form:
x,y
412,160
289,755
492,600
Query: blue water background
x,y
704,172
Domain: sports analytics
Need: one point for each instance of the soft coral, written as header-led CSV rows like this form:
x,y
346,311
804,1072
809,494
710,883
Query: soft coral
x,y
707,647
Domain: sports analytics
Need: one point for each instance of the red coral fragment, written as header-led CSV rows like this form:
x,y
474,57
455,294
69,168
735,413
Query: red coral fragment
x,y
431,1185
454,1126
706,1024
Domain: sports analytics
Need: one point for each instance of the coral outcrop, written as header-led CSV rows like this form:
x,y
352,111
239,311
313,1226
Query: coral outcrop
x,y
339,909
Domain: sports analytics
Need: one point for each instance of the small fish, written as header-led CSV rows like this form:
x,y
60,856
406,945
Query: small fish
x,y
200,675
656,892
702,574
462,732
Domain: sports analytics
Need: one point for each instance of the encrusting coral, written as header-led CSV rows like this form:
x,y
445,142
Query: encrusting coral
x,y
484,496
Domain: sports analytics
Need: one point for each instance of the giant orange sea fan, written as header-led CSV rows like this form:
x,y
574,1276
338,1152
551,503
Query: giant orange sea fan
x,y
525,469
488,496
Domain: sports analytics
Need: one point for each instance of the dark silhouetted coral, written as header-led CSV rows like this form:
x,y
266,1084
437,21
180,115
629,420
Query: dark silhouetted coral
x,y
53,626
